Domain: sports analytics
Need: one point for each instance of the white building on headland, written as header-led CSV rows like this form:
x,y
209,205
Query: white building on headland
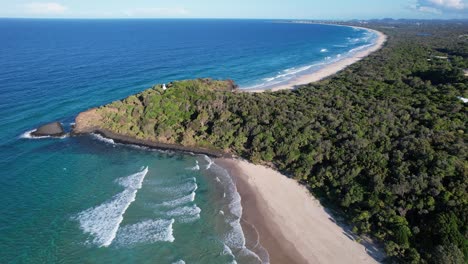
x,y
164,87
465,100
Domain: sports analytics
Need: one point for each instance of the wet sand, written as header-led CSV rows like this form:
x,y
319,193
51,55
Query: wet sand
x,y
290,223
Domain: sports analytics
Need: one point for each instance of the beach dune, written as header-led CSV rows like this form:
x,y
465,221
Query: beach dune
x,y
291,223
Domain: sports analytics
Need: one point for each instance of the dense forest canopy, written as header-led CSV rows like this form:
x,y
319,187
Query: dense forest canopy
x,y
383,142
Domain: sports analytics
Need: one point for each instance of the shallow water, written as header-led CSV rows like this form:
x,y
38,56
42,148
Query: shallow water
x,y
88,200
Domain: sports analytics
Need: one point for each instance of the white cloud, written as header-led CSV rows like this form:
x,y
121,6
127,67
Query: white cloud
x,y
441,6
427,9
44,8
156,12
448,4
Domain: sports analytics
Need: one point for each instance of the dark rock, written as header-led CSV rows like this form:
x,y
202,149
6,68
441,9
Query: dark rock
x,y
54,129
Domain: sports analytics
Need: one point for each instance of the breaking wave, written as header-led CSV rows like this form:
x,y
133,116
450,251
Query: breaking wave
x,y
233,237
28,135
210,162
187,187
103,221
103,139
180,201
283,77
196,167
193,210
149,231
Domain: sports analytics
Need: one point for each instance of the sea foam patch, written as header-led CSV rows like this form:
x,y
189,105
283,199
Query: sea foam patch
x,y
187,187
186,211
28,135
180,201
103,221
209,161
233,235
148,231
103,139
196,167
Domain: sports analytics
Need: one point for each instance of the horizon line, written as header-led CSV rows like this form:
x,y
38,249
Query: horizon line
x,y
221,18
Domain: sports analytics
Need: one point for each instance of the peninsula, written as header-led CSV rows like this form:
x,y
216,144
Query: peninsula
x,y
381,144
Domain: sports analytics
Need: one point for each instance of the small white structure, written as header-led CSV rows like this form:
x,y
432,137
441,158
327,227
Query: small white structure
x,y
164,87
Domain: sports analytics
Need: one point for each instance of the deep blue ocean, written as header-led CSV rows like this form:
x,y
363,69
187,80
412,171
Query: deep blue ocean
x,y
87,200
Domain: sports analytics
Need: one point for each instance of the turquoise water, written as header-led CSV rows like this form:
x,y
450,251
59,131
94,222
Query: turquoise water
x,y
96,202
88,200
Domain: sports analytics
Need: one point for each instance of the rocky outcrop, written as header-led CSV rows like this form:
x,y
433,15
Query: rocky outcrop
x,y
91,122
87,122
54,129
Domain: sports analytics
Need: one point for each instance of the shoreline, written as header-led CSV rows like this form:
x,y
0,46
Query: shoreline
x,y
127,140
269,199
330,69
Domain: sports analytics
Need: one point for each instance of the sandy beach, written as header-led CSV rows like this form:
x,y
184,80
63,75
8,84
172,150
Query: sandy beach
x,y
331,68
291,223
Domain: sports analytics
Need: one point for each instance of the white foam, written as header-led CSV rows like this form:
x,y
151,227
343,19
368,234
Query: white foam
x,y
323,50
196,167
184,211
228,252
103,139
233,238
286,75
28,135
180,201
133,181
103,221
269,79
360,48
187,187
189,219
180,261
168,182
149,231
210,162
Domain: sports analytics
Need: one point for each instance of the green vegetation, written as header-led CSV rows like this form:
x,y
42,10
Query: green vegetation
x,y
383,142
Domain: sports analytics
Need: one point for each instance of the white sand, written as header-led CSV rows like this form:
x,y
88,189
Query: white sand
x,y
332,68
293,214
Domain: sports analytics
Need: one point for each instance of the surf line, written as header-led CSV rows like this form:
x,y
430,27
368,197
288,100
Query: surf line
x,y
103,221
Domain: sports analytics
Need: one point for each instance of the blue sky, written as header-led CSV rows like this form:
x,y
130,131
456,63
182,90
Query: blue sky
x,y
281,9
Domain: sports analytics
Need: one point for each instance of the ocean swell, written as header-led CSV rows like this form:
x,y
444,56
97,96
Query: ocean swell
x,y
103,221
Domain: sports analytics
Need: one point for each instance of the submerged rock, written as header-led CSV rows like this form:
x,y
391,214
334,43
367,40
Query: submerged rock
x,y
54,129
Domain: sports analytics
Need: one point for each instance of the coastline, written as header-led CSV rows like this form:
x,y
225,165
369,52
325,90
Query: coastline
x,y
117,138
269,199
330,69
292,225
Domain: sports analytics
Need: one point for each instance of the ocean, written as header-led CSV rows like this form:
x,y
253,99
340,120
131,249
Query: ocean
x,y
88,200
